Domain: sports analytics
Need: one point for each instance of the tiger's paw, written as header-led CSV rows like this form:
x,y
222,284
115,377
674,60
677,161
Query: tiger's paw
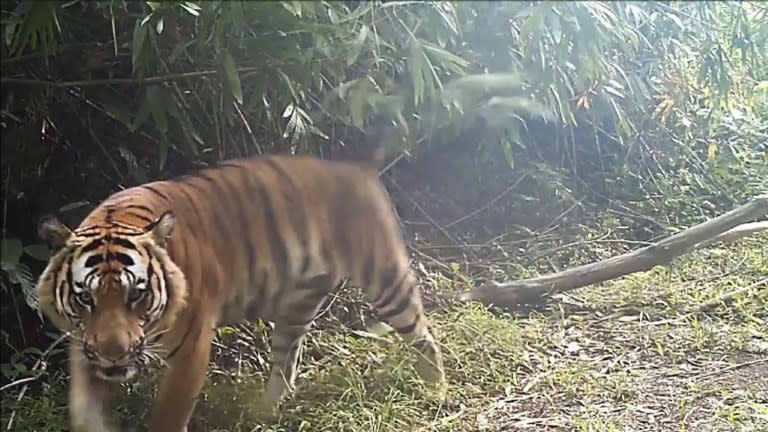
x,y
437,391
434,376
92,422
429,371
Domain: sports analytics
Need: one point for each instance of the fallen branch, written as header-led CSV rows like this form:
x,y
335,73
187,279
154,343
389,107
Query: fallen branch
x,y
740,231
729,296
726,227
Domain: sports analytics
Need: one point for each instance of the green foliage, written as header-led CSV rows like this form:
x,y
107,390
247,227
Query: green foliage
x,y
33,25
316,74
14,273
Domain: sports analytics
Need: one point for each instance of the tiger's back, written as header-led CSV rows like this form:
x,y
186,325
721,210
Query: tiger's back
x,y
248,229
271,237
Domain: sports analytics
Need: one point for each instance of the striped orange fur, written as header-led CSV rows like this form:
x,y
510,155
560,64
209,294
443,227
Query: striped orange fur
x,y
151,272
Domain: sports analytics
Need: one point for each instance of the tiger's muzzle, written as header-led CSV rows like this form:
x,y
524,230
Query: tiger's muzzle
x,y
115,358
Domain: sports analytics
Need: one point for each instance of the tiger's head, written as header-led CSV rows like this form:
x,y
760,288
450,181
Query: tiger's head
x,y
114,288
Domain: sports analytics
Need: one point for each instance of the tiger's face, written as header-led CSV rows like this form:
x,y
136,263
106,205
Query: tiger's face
x,y
115,289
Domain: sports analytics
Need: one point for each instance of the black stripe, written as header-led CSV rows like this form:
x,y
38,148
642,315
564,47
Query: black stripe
x,y
220,224
186,334
150,271
225,208
305,263
139,207
59,290
89,233
422,345
128,233
151,279
245,178
256,305
409,328
388,277
124,259
69,284
277,246
131,228
70,278
196,212
169,293
94,260
156,192
92,245
245,222
296,211
127,244
401,307
89,277
389,292
139,216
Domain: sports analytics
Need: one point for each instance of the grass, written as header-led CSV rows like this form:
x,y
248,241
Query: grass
x,y
625,355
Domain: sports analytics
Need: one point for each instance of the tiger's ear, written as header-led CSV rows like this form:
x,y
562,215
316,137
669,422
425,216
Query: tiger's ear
x,y
162,227
53,232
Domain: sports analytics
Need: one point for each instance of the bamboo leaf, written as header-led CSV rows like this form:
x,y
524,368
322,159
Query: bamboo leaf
x,y
35,23
232,77
157,99
417,67
11,252
288,112
535,20
507,147
137,47
160,25
445,58
191,8
357,45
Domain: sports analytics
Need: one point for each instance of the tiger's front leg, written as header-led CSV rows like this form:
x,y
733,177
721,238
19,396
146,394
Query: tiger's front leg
x,y
182,382
89,396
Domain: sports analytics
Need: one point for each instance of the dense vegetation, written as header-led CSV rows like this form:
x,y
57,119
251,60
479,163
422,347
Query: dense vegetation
x,y
504,121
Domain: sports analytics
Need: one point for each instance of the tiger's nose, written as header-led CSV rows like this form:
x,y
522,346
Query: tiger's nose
x,y
114,349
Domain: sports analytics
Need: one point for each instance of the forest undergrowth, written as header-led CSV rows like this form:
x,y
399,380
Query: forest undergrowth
x,y
653,351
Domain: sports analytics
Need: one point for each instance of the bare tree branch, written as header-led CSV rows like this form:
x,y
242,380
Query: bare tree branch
x,y
743,230
115,81
725,227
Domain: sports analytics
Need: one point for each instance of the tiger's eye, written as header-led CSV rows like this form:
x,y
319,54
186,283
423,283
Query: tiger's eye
x,y
85,298
135,295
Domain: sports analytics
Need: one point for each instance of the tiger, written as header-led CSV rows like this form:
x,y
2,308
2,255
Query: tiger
x,y
153,270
